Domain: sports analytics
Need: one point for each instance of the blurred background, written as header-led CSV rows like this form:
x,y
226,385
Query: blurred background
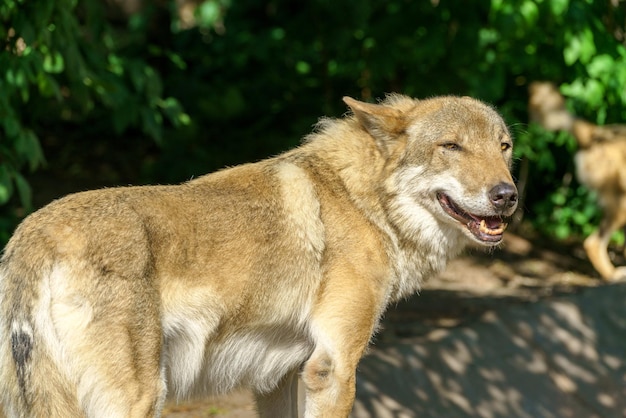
x,y
112,92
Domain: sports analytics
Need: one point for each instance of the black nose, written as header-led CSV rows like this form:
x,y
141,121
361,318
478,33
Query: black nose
x,y
503,196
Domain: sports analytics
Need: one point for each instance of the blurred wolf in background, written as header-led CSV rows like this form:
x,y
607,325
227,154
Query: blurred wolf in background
x,y
600,166
261,276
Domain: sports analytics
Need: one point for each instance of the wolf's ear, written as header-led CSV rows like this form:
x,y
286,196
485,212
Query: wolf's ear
x,y
382,122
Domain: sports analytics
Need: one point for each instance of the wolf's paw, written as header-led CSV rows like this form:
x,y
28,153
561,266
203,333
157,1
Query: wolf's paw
x,y
619,274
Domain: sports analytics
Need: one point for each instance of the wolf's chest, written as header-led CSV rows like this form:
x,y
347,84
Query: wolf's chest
x,y
254,357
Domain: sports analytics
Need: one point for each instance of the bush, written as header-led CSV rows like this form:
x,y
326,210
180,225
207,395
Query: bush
x,y
67,67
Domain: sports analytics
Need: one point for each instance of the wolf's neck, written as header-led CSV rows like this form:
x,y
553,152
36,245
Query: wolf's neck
x,y
423,254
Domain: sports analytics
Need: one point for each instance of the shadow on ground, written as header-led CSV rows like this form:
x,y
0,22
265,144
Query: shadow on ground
x,y
563,357
528,332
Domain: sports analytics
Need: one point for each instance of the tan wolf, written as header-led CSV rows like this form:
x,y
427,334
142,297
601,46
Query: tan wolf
x,y
600,166
263,276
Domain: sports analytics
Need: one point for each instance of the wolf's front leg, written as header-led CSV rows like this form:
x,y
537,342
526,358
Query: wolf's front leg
x,y
342,327
329,386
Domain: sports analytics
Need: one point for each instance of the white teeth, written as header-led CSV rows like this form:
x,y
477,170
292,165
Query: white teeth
x,y
483,228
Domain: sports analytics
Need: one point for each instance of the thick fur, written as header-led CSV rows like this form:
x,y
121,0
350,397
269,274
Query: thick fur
x,y
257,276
600,166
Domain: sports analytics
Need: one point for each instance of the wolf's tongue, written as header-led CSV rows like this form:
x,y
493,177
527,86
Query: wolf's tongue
x,y
493,222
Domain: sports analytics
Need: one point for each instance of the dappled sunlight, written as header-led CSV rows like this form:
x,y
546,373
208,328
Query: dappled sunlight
x,y
560,357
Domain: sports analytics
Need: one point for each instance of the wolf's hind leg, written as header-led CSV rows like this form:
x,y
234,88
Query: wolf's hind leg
x,y
283,401
596,245
596,249
122,373
103,340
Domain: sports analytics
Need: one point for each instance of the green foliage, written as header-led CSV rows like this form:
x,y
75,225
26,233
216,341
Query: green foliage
x,y
567,212
232,81
62,62
561,207
573,43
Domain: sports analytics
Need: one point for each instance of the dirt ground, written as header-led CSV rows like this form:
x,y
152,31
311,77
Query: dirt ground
x,y
237,405
522,271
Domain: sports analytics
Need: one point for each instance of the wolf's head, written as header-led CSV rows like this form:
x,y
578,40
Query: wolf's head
x,y
452,165
546,106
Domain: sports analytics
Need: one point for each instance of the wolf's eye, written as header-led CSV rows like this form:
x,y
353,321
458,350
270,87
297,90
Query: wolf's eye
x,y
505,146
451,146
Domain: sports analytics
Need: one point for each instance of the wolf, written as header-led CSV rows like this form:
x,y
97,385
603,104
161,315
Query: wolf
x,y
270,276
600,165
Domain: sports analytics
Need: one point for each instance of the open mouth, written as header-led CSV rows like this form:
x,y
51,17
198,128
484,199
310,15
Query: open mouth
x,y
488,229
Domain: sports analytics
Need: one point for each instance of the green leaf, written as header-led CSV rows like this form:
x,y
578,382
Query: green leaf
x,y
575,89
16,77
558,199
588,46
278,34
23,191
53,63
496,5
530,12
174,111
116,64
153,87
152,122
208,13
562,231
6,186
558,7
11,126
600,64
177,60
580,46
48,86
594,93
579,218
303,67
27,146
